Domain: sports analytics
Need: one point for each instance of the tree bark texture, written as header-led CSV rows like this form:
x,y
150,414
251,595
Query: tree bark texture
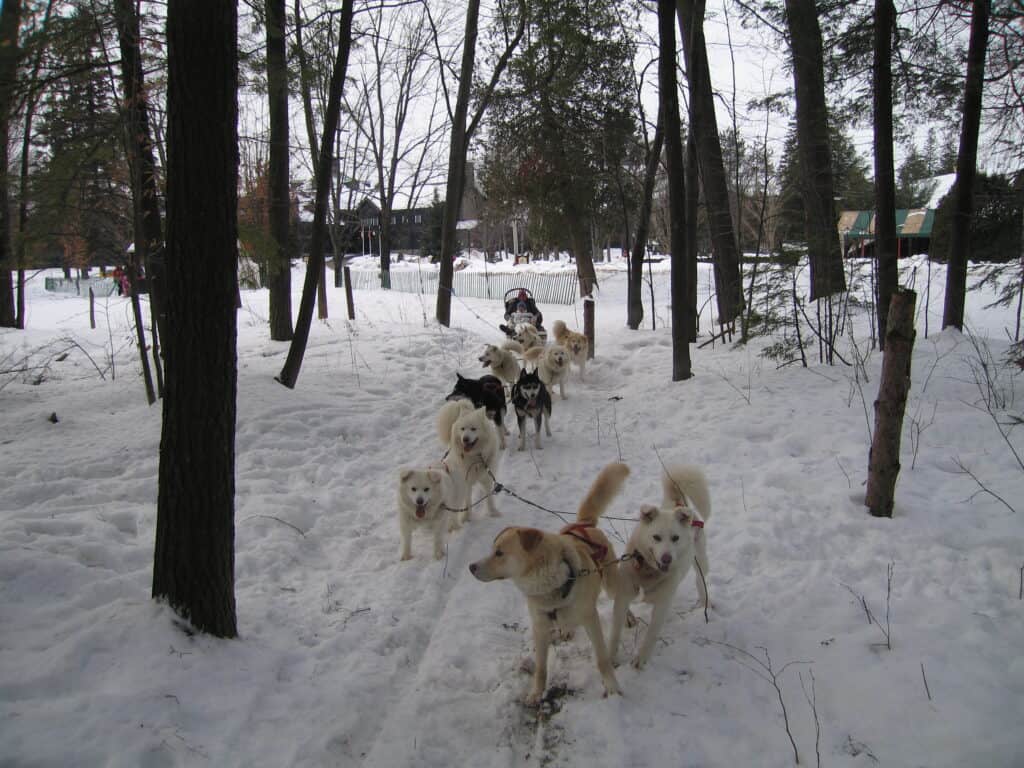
x,y
279,273
461,134
885,178
318,237
966,170
635,305
194,561
10,22
668,99
814,151
884,458
456,168
147,225
704,127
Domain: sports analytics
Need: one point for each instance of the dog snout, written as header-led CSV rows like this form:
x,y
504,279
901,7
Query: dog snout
x,y
666,559
473,567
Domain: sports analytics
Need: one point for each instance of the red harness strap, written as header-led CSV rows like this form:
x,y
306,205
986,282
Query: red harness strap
x,y
579,531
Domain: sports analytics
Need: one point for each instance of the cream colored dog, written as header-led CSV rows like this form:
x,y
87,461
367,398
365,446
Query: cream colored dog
x,y
472,442
502,362
552,364
664,545
575,343
528,337
561,576
425,500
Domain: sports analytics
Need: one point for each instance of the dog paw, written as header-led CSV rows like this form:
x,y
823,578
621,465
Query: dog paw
x,y
406,556
639,663
612,691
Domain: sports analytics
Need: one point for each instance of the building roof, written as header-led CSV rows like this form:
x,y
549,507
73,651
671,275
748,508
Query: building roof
x,y
913,222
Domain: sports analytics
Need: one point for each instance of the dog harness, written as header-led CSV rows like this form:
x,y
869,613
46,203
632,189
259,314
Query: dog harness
x,y
579,532
565,589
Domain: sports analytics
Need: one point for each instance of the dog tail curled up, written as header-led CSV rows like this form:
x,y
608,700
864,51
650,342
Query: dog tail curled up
x,y
604,488
558,328
684,485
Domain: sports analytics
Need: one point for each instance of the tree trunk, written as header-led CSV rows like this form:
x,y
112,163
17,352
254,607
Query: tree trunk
x,y
193,566
704,127
10,22
814,151
290,372
279,273
692,208
668,100
456,168
461,134
635,306
884,458
966,169
885,179
147,226
31,102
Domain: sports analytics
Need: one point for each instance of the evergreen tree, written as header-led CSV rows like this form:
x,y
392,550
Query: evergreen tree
x,y
565,118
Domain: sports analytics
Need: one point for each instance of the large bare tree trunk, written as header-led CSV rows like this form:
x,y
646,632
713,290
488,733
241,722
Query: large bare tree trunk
x,y
279,273
814,150
460,136
194,560
635,306
966,170
10,22
704,127
885,178
290,372
668,98
884,459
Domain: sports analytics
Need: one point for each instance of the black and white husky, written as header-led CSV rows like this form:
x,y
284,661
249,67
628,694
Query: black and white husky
x,y
531,399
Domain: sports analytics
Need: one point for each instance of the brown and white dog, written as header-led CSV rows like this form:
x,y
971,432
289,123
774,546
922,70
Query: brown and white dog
x,y
502,362
561,575
575,343
552,365
665,543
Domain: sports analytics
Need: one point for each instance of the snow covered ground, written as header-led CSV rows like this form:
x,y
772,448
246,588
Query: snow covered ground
x,y
348,657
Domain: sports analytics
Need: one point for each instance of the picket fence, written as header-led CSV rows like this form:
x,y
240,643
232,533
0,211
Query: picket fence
x,y
547,288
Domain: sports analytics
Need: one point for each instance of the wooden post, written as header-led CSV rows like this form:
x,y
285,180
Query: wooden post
x,y
588,324
92,309
884,458
348,294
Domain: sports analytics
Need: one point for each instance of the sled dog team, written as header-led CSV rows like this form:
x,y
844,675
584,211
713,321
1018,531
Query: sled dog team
x,y
560,574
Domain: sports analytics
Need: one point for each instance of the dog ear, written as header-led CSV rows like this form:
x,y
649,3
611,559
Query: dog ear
x,y
648,513
435,476
405,473
683,515
529,538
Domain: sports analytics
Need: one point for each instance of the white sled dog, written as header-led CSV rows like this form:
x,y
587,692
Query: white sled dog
x,y
502,362
561,575
425,500
552,365
575,343
472,443
664,545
